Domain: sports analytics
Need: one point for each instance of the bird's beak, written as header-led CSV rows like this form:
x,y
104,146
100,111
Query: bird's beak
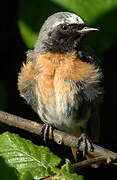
x,y
86,30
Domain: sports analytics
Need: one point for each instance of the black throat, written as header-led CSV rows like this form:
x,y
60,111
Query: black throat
x,y
59,45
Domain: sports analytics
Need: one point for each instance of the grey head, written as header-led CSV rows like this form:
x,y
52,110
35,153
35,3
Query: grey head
x,y
61,32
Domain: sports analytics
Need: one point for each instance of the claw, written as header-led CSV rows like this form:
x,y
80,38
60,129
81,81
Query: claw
x,y
47,131
87,144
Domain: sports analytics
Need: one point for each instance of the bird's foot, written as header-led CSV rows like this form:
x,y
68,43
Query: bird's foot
x,y
47,131
87,144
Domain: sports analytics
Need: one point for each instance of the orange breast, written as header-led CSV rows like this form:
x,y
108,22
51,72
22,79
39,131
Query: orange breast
x,y
52,80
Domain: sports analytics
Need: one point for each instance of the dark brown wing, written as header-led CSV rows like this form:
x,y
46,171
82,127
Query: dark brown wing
x,y
86,54
93,127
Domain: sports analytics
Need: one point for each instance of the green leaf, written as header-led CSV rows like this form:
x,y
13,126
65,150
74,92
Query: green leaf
x,y
88,9
7,172
26,176
67,172
98,13
31,161
28,34
25,156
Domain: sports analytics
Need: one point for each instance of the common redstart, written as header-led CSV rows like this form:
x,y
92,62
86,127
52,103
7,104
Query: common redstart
x,y
61,79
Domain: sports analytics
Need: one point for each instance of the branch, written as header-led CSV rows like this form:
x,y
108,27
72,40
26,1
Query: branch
x,y
93,161
98,155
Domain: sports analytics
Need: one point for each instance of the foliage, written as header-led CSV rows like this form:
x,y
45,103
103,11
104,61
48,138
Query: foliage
x,y
32,161
7,172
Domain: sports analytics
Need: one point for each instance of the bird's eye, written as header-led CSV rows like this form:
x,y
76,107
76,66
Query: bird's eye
x,y
64,27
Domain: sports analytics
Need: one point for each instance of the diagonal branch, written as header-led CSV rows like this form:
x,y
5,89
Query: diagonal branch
x,y
98,155
89,162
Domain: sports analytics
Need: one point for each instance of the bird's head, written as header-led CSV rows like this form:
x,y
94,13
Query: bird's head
x,y
61,32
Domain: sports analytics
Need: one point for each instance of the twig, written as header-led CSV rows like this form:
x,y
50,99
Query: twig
x,y
60,138
89,162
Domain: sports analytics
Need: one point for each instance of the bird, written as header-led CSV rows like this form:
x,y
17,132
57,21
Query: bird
x,y
61,78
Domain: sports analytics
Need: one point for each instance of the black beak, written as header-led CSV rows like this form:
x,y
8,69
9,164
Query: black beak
x,y
86,30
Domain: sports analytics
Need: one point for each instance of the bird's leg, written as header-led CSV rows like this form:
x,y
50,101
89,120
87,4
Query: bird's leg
x,y
86,142
87,146
74,153
47,131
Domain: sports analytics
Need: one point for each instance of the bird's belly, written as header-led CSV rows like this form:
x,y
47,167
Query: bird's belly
x,y
67,118
73,124
60,105
64,114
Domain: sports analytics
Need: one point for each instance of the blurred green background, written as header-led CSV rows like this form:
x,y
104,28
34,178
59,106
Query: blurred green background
x,y
20,24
